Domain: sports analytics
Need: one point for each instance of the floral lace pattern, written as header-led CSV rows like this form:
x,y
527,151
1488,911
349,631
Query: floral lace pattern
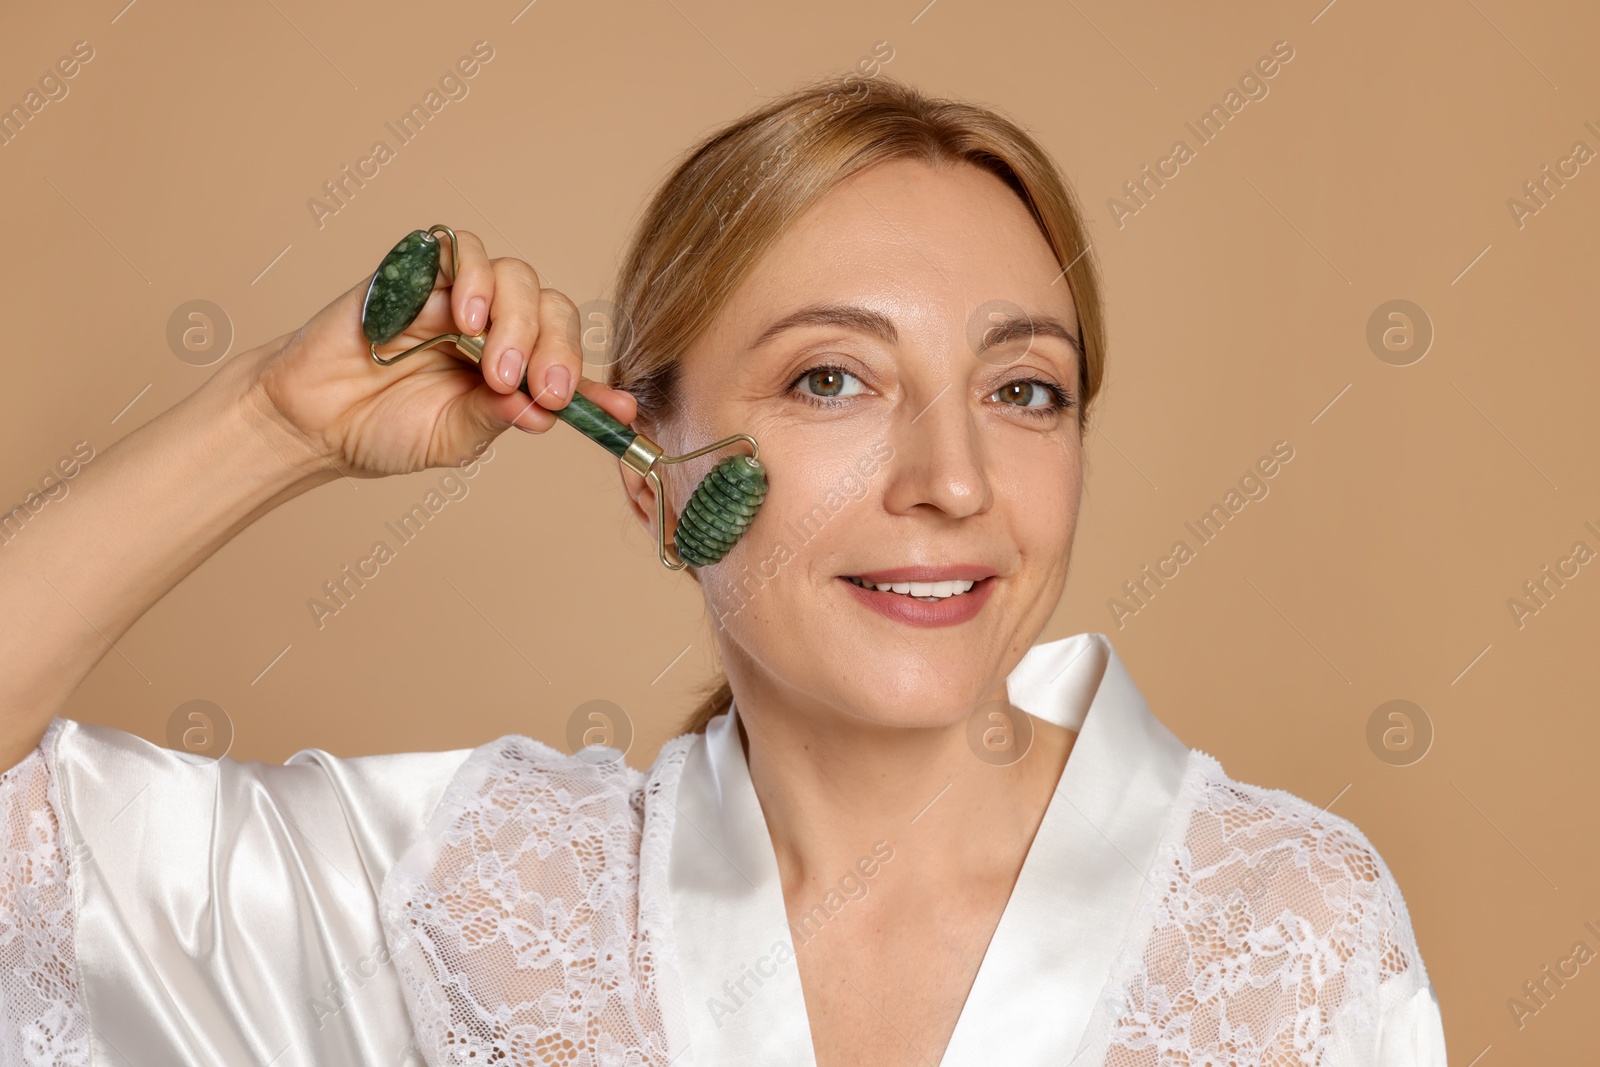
x,y
1270,930
530,924
529,921
42,1019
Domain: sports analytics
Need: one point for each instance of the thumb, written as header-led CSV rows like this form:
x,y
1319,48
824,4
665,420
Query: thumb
x,y
489,413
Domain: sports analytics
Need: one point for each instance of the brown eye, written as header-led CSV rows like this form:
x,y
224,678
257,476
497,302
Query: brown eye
x,y
828,383
1039,398
1024,394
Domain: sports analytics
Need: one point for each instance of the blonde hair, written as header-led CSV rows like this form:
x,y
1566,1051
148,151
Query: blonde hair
x,y
735,193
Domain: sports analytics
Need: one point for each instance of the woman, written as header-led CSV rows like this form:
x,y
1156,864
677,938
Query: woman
x,y
900,833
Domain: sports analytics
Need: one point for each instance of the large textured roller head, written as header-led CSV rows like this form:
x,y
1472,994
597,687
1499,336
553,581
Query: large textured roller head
x,y
720,510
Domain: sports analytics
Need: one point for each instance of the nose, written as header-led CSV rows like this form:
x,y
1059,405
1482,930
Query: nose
x,y
939,461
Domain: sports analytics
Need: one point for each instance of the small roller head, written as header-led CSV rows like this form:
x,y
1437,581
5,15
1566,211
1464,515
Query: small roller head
x,y
720,510
400,287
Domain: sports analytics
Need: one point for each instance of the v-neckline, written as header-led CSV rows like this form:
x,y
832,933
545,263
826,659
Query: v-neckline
x,y
1057,938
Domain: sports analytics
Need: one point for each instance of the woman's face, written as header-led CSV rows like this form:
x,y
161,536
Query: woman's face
x,y
892,444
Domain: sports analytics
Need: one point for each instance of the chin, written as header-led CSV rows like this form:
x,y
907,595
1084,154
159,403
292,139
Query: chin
x,y
896,687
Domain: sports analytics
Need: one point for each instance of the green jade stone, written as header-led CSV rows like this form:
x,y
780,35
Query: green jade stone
x,y
400,287
720,509
591,420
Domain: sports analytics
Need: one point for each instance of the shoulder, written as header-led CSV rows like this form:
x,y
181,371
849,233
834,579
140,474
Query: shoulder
x,y
1270,922
517,798
516,764
1300,865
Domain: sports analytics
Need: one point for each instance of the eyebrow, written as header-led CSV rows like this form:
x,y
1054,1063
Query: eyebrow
x,y
1000,331
866,320
850,316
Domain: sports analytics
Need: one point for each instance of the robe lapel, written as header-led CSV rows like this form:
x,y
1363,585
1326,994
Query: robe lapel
x,y
731,933
1091,858
1057,938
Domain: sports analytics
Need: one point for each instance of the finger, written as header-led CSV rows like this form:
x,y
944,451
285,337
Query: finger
x,y
513,324
338,325
473,284
618,403
556,362
491,412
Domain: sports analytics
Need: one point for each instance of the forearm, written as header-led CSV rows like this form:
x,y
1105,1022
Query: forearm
x,y
139,517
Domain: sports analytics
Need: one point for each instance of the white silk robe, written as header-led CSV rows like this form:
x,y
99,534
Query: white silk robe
x,y
515,901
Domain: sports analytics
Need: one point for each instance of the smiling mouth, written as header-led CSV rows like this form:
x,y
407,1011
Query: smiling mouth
x,y
927,592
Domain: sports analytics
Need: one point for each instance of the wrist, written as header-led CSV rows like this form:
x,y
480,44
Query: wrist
x,y
278,451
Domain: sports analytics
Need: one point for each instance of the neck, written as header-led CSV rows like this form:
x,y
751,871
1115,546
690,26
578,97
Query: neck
x,y
835,788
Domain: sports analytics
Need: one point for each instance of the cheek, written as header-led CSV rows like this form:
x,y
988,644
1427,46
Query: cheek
x,y
1041,489
819,482
828,469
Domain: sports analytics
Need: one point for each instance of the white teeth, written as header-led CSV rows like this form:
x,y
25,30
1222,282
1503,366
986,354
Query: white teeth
x,y
920,590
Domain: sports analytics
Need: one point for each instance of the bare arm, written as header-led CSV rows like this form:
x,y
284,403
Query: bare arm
x,y
141,516
301,410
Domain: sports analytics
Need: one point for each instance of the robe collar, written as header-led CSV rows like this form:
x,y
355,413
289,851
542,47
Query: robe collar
x,y
1069,913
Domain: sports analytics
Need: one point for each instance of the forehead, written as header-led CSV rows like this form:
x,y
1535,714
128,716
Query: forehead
x,y
925,243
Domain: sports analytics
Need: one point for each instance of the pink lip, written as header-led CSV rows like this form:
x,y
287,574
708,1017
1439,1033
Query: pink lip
x,y
953,572
947,612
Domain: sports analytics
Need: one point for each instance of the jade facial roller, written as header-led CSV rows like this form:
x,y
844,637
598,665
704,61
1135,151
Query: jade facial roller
x,y
721,507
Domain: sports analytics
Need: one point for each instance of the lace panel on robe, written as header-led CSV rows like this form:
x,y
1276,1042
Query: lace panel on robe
x,y
528,922
1275,935
43,1022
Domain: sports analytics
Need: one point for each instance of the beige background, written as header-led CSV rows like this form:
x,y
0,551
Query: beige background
x,y
1379,567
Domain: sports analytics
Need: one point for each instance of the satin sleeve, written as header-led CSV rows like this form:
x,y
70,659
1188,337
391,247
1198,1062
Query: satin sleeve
x,y
1412,1032
225,911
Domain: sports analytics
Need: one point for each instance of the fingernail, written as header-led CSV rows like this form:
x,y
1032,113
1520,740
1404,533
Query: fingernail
x,y
475,311
524,429
510,368
558,380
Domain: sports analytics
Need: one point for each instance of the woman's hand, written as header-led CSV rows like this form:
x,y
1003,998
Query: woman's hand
x,y
434,408
272,423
